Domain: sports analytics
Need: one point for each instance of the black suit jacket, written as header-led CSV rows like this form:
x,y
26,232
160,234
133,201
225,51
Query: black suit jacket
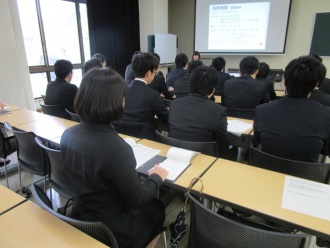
x,y
159,85
243,93
197,118
60,92
292,128
101,166
174,75
320,97
129,74
222,77
142,104
182,86
269,86
325,86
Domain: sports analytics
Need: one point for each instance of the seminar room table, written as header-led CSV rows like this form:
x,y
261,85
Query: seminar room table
x,y
199,164
9,200
22,116
29,226
256,191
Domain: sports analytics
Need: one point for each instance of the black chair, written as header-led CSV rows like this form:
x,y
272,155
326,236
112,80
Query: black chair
x,y
208,229
55,110
96,230
318,172
74,116
241,113
135,129
7,147
208,148
29,154
58,179
43,97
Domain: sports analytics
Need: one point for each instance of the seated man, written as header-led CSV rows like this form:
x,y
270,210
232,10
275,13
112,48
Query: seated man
x,y
181,62
182,85
319,95
142,103
219,64
262,77
129,75
245,92
195,117
295,127
61,92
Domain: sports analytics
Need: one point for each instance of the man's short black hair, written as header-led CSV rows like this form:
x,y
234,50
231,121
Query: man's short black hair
x,y
249,65
100,96
203,80
100,56
181,60
142,63
263,70
302,75
62,68
218,63
192,65
94,62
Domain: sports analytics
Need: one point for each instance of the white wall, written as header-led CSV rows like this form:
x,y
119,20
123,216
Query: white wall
x,y
181,22
15,86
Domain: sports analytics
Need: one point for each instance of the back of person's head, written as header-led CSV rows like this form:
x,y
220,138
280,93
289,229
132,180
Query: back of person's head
x,y
203,80
192,65
302,75
142,63
100,96
181,60
157,56
135,53
100,56
263,70
219,63
94,62
317,57
196,54
249,65
62,68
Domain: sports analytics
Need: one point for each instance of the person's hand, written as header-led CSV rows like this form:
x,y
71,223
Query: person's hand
x,y
159,171
170,89
2,106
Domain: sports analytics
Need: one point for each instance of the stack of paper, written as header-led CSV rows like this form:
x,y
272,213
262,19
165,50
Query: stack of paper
x,y
238,127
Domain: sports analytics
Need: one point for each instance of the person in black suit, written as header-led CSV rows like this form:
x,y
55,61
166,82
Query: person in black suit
x,y
317,94
182,85
324,85
262,78
61,92
245,92
219,64
129,75
101,165
142,102
159,85
195,117
181,62
295,127
102,58
94,62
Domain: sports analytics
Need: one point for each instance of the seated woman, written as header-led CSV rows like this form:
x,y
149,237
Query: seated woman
x,y
102,165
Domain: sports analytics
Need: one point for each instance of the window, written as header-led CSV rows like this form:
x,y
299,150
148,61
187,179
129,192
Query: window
x,y
52,30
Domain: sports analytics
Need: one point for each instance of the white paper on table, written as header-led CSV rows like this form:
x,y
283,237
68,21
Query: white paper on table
x,y
238,127
306,197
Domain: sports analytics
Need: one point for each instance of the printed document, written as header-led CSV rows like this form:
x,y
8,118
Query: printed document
x,y
307,197
142,153
238,127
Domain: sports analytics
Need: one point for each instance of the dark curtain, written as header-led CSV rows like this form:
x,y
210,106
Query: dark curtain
x,y
114,30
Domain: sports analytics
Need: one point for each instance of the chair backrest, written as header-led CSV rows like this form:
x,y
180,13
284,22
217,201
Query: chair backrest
x,y
58,178
74,116
208,148
135,129
43,97
55,110
209,229
96,230
29,154
318,172
7,144
241,113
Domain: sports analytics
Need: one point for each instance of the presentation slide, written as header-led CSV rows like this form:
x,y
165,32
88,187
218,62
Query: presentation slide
x,y
259,26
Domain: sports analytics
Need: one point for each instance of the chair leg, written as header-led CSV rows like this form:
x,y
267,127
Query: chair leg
x,y
20,179
164,237
6,173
